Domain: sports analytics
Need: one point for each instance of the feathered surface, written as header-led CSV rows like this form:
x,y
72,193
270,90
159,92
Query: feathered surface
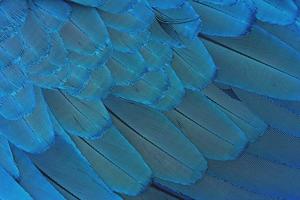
x,y
149,99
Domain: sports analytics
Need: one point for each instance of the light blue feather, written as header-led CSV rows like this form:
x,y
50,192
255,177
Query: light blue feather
x,y
7,161
10,189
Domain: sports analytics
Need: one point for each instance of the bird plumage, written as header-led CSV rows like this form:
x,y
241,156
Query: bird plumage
x,y
149,99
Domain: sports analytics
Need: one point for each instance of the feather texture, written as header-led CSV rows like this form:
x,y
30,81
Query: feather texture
x,y
149,99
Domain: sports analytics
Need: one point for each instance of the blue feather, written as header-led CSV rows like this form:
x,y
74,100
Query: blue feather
x,y
226,21
63,161
170,155
272,113
32,180
258,175
127,174
193,65
10,189
87,119
149,99
281,12
7,160
32,132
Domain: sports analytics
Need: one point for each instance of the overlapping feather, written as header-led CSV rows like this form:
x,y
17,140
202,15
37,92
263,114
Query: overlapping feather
x,y
104,96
